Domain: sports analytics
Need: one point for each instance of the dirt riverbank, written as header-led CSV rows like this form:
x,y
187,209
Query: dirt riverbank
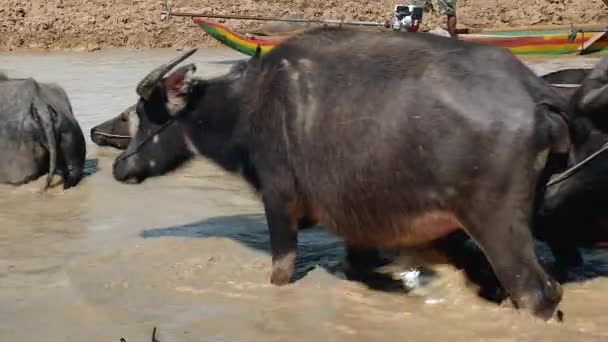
x,y
83,25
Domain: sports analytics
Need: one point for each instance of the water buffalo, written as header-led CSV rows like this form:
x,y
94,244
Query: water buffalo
x,y
388,140
38,133
573,212
116,132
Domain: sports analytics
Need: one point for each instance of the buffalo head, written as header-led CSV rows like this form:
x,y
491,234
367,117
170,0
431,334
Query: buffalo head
x,y
158,144
116,132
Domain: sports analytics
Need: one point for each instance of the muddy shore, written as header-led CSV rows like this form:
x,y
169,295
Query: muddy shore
x,y
88,25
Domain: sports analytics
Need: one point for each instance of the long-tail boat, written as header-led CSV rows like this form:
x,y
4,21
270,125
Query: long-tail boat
x,y
548,40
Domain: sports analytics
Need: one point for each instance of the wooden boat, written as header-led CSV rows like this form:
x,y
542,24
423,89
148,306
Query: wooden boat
x,y
527,41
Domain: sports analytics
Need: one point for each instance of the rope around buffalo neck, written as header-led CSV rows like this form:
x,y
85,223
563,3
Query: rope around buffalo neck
x,y
143,142
569,172
110,135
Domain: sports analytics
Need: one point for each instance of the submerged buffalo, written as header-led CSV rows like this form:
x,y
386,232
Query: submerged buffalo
x,y
396,141
38,133
116,132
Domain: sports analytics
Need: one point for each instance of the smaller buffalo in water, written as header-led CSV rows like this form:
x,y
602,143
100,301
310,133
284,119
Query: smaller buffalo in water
x,y
408,140
38,133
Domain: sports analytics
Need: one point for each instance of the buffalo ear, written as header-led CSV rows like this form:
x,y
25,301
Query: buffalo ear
x,y
177,87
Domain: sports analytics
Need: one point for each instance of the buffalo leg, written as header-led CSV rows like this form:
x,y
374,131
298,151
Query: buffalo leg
x,y
361,265
510,251
283,229
501,229
363,260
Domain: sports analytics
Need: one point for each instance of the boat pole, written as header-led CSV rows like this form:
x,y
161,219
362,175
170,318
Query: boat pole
x,y
167,14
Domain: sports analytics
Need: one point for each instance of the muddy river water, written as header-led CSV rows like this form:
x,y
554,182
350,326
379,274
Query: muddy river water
x,y
188,252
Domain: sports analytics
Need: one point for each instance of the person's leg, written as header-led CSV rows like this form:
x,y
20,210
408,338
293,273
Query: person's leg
x,y
452,21
448,7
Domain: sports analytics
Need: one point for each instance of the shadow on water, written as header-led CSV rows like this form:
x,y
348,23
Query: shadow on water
x,y
595,265
317,247
91,167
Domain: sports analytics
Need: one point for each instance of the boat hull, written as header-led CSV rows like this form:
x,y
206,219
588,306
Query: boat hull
x,y
522,42
540,42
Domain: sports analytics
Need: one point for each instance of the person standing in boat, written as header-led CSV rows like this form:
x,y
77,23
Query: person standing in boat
x,y
448,8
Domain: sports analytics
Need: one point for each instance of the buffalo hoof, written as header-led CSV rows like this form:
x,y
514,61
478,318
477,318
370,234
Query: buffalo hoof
x,y
545,302
283,268
280,277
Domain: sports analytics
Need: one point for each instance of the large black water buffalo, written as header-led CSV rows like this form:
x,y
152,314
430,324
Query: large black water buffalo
x,y
388,140
38,133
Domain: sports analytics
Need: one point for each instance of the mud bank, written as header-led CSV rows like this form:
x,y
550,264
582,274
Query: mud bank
x,y
87,25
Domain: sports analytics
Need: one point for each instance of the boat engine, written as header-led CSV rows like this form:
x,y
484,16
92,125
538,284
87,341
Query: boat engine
x,y
407,18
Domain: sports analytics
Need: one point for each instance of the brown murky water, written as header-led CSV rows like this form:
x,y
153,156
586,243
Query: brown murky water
x,y
188,252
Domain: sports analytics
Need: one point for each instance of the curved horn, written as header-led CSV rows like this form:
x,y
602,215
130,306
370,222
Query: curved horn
x,y
146,85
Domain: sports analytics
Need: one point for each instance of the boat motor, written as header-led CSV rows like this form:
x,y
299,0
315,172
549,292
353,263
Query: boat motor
x,y
407,18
